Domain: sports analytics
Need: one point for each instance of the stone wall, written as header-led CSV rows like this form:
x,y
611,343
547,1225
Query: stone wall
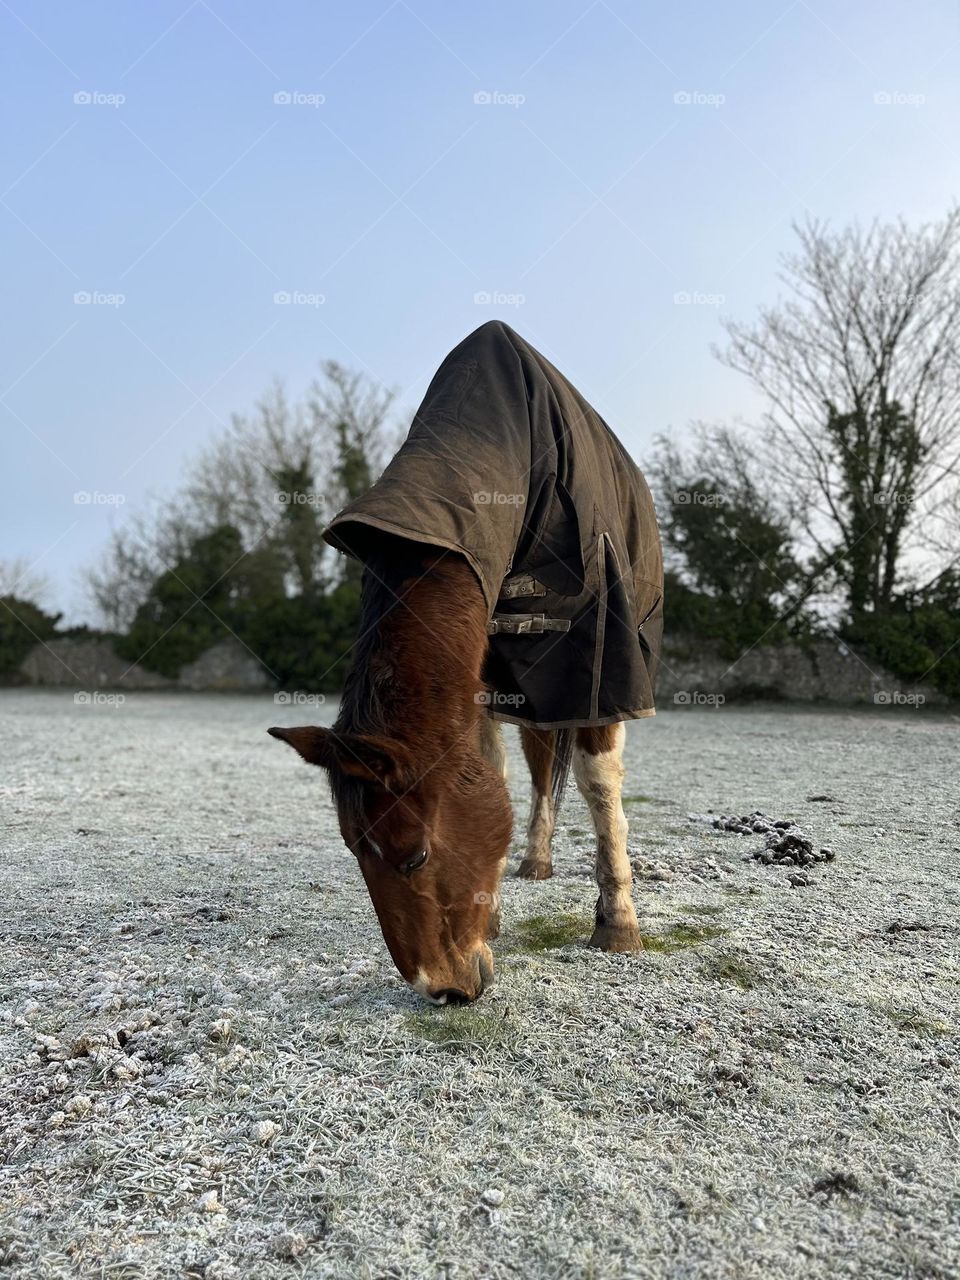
x,y
691,673
824,671
92,664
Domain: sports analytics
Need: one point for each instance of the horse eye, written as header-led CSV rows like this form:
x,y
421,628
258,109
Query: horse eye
x,y
414,863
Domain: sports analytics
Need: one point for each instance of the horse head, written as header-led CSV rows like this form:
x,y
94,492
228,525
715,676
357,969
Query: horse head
x,y
431,840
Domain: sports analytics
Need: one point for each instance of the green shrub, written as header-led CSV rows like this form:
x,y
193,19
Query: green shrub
x,y
734,625
22,624
918,643
305,641
203,599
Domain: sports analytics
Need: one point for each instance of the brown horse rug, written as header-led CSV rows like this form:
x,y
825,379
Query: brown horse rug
x,y
508,465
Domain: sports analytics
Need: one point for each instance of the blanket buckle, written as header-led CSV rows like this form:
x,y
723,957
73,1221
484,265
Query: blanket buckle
x,y
525,624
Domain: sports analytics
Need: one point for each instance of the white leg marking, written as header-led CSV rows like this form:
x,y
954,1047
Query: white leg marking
x,y
600,780
491,745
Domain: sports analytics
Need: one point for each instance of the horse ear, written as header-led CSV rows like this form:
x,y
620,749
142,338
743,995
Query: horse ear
x,y
359,754
313,743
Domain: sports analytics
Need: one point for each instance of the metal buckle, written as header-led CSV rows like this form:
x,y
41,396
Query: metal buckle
x,y
524,584
525,624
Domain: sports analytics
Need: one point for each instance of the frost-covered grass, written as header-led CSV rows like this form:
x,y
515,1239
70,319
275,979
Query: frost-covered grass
x,y
208,1067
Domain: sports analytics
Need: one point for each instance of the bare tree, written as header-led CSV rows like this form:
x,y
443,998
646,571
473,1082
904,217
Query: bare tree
x,y
19,578
276,475
137,553
860,367
728,542
353,411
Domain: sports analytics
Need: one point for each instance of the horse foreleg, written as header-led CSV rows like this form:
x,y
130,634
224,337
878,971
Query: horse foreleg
x,y
538,748
491,745
598,769
495,754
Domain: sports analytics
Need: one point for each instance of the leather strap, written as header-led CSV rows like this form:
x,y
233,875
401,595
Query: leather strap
x,y
524,624
522,584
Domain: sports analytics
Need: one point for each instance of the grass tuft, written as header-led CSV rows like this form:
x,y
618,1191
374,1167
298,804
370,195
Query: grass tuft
x,y
732,968
457,1028
544,933
911,1022
679,936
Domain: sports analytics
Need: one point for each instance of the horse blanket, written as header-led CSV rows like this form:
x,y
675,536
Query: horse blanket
x,y
507,465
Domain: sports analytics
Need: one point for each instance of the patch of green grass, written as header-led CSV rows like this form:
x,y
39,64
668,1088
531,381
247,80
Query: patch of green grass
x,y
543,933
638,799
578,832
914,1023
456,1027
732,968
704,909
679,936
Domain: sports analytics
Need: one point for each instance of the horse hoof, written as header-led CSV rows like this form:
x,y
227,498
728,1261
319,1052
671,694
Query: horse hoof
x,y
530,869
610,938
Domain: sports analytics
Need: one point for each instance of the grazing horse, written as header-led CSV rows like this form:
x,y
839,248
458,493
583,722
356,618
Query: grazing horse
x,y
509,495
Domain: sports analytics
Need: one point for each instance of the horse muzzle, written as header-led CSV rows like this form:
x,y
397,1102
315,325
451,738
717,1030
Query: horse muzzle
x,y
463,986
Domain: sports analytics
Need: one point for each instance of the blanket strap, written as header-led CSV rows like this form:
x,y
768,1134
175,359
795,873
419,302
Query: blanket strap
x,y
522,624
521,584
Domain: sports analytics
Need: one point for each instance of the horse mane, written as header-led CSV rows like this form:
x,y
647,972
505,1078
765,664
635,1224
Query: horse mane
x,y
374,690
361,703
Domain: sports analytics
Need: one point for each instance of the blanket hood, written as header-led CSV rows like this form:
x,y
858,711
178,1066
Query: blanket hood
x,y
507,465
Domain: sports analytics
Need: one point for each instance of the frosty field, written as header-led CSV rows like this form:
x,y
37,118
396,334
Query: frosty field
x,y
209,1068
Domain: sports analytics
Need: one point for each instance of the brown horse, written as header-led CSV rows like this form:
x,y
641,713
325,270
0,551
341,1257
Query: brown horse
x,y
513,572
417,773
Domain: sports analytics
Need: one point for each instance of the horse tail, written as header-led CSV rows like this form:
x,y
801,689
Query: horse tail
x,y
562,756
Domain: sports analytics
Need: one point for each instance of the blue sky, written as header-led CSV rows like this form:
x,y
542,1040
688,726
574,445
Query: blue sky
x,y
585,194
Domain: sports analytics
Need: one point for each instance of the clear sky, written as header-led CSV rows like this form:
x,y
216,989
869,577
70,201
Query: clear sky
x,y
625,153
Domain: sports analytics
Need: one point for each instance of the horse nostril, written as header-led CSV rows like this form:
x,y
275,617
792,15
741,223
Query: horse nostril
x,y
451,995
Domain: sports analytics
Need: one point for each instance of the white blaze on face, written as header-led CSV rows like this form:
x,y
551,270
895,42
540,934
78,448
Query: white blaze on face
x,y
422,985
